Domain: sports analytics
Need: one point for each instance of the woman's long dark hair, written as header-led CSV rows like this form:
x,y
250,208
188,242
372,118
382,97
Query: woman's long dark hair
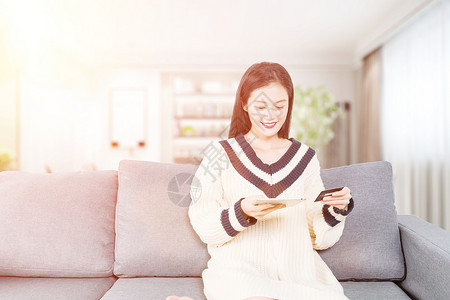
x,y
257,76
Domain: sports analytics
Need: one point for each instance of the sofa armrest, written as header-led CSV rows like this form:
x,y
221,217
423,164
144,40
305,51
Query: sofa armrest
x,y
427,255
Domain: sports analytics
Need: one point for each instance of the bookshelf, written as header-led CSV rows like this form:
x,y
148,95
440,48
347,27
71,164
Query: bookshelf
x,y
198,106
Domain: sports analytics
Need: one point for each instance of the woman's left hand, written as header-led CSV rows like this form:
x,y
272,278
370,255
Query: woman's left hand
x,y
339,199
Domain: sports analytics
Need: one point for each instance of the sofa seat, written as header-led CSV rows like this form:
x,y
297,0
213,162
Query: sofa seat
x,y
373,290
160,288
37,288
155,288
152,288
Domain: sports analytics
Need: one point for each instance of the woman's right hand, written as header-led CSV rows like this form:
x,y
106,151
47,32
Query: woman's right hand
x,y
250,207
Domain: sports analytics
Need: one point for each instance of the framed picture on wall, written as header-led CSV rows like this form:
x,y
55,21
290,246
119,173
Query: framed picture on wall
x,y
128,118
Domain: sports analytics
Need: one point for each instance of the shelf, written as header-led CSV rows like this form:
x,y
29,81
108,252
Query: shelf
x,y
206,118
186,160
199,137
200,94
199,107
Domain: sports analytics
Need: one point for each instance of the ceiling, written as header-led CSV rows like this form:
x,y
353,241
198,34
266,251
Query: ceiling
x,y
179,31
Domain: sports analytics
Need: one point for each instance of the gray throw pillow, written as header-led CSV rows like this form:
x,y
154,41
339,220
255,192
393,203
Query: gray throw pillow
x,y
369,248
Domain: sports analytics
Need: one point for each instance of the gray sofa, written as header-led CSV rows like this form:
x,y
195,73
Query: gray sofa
x,y
126,235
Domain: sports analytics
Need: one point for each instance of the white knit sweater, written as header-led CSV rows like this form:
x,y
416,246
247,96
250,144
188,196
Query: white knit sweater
x,y
274,256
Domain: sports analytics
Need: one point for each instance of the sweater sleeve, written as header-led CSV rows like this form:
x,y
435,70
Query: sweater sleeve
x,y
214,222
325,222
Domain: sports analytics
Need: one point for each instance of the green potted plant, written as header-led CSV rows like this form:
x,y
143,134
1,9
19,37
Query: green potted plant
x,y
313,114
6,158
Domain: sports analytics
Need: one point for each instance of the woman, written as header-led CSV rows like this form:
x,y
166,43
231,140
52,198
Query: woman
x,y
265,251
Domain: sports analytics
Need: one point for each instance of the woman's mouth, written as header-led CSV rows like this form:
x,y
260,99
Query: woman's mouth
x,y
269,125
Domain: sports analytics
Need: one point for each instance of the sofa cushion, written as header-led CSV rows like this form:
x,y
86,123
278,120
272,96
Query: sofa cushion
x,y
373,290
369,248
19,288
58,224
154,236
160,288
155,288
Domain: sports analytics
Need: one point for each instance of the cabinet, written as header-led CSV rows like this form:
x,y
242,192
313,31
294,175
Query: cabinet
x,y
197,110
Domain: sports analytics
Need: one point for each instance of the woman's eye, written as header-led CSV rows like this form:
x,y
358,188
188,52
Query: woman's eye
x,y
262,107
280,107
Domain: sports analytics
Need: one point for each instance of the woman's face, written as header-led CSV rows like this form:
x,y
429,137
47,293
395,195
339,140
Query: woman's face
x,y
267,109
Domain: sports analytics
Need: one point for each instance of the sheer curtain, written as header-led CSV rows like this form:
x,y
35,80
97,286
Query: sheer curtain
x,y
415,115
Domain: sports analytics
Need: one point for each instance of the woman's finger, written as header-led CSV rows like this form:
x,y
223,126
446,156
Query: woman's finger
x,y
266,206
335,199
273,207
342,192
270,210
339,193
347,195
340,202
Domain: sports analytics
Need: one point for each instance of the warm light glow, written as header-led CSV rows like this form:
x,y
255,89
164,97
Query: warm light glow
x,y
35,32
27,26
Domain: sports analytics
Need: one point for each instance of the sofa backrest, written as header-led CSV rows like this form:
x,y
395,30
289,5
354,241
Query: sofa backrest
x,y
57,225
154,236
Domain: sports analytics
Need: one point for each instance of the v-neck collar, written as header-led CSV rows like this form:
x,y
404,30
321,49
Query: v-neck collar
x,y
271,190
268,168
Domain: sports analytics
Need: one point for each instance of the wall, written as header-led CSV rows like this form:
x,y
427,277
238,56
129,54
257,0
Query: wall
x,y
65,115
106,78
8,115
340,81
8,97
57,131
65,123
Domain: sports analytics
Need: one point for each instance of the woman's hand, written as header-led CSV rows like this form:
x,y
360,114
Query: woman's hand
x,y
250,207
339,199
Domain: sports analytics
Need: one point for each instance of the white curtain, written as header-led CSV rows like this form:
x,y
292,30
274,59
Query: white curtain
x,y
415,115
